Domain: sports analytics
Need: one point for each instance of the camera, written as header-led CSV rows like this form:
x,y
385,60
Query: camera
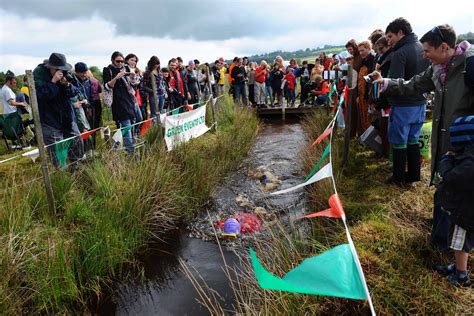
x,y
368,78
68,76
127,74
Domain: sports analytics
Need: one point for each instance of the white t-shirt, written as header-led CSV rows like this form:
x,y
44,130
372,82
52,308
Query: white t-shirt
x,y
8,94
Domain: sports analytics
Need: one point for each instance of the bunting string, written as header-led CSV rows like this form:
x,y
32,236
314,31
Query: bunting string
x,y
312,276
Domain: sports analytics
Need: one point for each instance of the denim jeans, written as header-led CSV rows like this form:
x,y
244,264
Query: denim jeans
x,y
268,94
161,103
405,123
240,92
127,137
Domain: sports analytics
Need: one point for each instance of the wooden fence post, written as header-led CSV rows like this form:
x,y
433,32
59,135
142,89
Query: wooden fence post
x,y
347,134
40,141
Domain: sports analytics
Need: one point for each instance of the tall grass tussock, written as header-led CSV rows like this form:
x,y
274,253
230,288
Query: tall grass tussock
x,y
106,212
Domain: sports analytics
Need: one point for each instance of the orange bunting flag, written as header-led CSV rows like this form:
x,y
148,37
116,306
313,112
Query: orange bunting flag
x,y
189,107
88,133
145,126
336,210
325,134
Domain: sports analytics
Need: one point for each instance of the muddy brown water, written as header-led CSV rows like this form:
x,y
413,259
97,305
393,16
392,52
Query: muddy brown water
x,y
164,289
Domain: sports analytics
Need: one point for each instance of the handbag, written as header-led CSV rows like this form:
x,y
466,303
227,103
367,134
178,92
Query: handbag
x,y
108,95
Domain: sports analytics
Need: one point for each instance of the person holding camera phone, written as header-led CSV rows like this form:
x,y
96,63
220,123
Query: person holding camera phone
x,y
121,80
54,90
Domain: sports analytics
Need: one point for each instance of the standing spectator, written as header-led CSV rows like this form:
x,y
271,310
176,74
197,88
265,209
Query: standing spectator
x,y
356,63
304,82
216,73
141,111
290,87
268,87
192,86
251,82
173,97
176,81
83,85
407,113
53,91
260,77
325,61
221,81
153,68
296,70
367,67
382,64
277,74
238,79
451,77
317,70
119,79
96,90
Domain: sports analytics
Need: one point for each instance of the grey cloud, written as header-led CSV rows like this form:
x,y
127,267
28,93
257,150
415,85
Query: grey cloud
x,y
187,19
200,20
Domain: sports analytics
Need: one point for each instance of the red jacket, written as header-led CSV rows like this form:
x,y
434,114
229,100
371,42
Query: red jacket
x,y
325,88
262,74
290,79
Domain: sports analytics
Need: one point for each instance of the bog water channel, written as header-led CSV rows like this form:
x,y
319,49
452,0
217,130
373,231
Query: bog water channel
x,y
164,289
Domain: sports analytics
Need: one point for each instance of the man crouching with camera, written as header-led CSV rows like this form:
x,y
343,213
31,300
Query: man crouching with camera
x,y
53,91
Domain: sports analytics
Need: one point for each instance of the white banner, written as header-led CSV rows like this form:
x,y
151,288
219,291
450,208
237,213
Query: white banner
x,y
183,127
324,172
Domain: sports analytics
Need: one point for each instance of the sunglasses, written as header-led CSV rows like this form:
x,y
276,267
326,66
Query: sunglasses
x,y
437,31
120,61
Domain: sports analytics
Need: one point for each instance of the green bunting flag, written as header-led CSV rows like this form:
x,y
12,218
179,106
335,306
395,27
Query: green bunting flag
x,y
332,90
125,130
175,111
61,151
324,155
332,273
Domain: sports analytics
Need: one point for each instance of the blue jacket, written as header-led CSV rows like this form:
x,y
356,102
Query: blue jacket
x,y
456,189
53,100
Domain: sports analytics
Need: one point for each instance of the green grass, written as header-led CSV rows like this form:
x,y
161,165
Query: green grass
x,y
105,213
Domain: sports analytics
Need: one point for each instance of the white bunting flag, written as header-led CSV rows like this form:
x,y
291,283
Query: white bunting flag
x,y
324,172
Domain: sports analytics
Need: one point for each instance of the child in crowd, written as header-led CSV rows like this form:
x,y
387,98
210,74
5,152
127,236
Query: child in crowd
x,y
290,87
321,91
456,193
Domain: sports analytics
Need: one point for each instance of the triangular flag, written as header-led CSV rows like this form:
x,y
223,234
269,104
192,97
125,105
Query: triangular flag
x,y
126,129
175,111
325,172
88,133
332,273
118,138
62,149
33,154
332,90
336,210
325,134
145,126
214,101
189,106
325,153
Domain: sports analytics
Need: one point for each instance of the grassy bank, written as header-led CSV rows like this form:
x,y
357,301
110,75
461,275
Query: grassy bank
x,y
390,227
106,212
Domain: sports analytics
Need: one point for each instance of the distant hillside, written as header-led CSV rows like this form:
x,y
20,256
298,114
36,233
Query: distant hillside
x,y
302,54
467,37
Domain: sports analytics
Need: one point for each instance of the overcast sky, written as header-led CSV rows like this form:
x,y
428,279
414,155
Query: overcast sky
x,y
90,30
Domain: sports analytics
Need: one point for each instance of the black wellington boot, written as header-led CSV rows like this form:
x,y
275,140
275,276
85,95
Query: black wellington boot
x,y
399,164
413,159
